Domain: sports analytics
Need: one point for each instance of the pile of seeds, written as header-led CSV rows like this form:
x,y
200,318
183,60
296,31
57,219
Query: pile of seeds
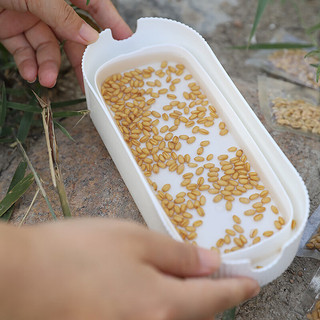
x,y
315,313
165,119
297,114
296,65
314,241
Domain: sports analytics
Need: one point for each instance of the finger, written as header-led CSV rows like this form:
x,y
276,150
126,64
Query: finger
x,y
9,19
63,19
74,52
44,42
107,16
207,297
24,56
178,258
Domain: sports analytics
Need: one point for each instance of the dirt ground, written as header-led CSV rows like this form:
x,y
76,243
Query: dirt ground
x,y
93,183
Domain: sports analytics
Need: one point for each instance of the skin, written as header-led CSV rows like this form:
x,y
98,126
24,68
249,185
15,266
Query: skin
x,y
95,268
34,41
109,269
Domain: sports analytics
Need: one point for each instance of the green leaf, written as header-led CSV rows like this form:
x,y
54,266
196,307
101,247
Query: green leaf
x,y
8,65
5,54
25,125
6,140
17,91
313,53
17,177
314,28
3,107
261,6
318,73
63,130
65,114
87,3
15,193
229,314
6,131
23,107
67,103
277,45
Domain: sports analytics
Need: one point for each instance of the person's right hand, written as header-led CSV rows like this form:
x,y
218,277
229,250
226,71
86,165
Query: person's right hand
x,y
102,269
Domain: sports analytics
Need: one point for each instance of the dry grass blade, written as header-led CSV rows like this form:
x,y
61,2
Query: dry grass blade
x,y
49,134
56,175
31,205
36,177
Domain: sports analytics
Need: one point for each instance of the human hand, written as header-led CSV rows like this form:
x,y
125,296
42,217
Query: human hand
x,y
108,269
31,30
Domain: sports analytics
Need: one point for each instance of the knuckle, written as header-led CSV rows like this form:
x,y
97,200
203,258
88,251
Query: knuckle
x,y
189,258
24,51
68,14
21,5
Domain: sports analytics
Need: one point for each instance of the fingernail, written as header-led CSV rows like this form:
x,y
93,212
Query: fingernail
x,y
209,260
88,34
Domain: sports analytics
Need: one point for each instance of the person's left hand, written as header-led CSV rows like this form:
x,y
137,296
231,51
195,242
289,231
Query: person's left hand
x,y
31,30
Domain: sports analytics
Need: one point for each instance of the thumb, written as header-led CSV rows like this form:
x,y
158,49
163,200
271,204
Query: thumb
x,y
63,20
180,259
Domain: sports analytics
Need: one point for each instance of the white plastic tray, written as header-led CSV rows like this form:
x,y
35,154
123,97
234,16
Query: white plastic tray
x,y
177,42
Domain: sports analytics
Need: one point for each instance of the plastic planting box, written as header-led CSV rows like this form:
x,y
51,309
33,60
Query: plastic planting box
x,y
197,161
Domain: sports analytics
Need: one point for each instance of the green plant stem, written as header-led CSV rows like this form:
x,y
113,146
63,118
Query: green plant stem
x,y
62,195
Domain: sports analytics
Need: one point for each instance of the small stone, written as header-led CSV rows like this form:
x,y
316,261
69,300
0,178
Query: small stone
x,y
238,23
